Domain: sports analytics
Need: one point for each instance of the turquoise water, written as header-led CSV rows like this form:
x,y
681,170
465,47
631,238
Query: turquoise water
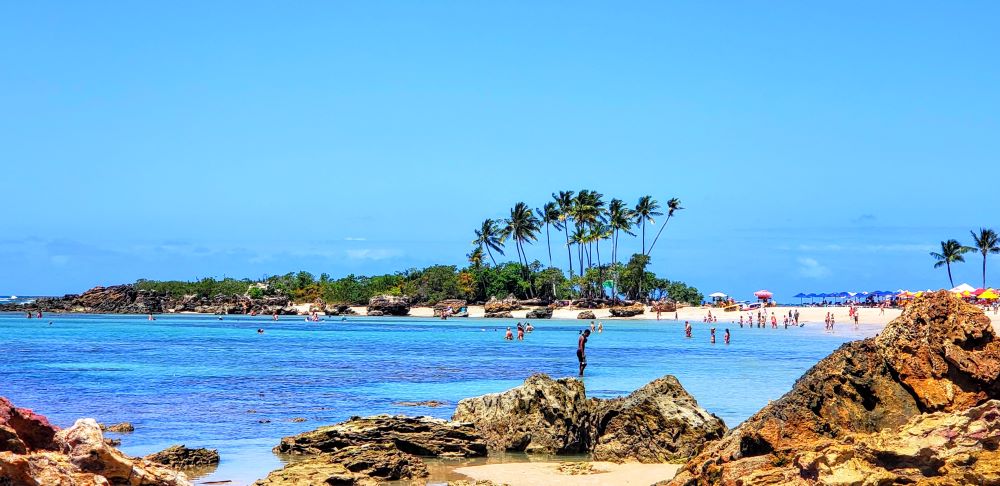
x,y
208,383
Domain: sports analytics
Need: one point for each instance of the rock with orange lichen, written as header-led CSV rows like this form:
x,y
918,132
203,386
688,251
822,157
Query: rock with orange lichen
x,y
941,355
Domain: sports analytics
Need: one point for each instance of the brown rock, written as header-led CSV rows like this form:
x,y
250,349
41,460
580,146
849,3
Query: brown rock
x,y
316,471
498,315
586,315
628,310
22,430
456,305
119,428
420,436
382,461
178,456
508,304
389,305
539,313
941,354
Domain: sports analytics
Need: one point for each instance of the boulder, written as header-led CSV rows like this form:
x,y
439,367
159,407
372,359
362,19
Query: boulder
x,y
317,471
665,305
375,313
180,457
390,305
119,428
339,310
455,304
940,355
508,304
498,315
539,313
628,310
22,430
382,461
420,436
659,422
84,459
586,315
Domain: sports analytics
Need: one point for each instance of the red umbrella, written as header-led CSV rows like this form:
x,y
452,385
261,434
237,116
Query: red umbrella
x,y
978,291
763,294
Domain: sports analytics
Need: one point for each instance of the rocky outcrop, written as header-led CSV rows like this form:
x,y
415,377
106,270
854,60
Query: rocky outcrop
x,y
539,313
628,310
375,313
665,305
498,315
420,436
339,310
656,423
454,304
79,456
119,428
586,315
318,470
389,305
941,355
180,457
22,430
127,299
507,304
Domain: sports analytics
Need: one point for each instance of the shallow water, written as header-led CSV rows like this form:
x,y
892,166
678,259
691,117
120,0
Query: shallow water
x,y
202,382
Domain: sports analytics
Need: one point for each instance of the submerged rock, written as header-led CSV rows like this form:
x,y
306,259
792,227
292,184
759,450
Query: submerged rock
x,y
389,305
420,436
178,456
628,310
940,355
656,423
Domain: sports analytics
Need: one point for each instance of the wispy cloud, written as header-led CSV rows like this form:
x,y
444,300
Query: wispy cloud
x,y
373,254
810,268
355,238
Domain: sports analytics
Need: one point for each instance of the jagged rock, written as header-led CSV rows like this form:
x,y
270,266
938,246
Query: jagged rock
x,y
375,313
22,430
390,305
420,436
940,355
628,310
316,471
508,304
454,304
665,305
590,303
427,403
660,422
112,442
119,428
83,459
539,313
339,310
498,315
382,461
656,423
586,315
178,456
536,302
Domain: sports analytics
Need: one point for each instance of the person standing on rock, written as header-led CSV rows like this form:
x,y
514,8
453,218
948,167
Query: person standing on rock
x,y
581,349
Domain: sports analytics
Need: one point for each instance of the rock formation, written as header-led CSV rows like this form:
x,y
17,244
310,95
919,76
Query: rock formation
x,y
658,422
420,436
508,304
389,305
36,453
127,299
539,313
454,304
664,305
119,428
586,315
628,310
180,457
498,315
941,355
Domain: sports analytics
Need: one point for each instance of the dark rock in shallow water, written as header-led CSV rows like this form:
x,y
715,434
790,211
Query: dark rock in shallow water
x,y
390,305
421,436
539,313
119,428
940,355
178,456
656,423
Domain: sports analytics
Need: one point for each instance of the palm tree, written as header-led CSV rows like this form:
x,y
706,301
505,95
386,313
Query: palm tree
x,y
986,242
549,214
951,252
644,211
491,237
579,237
673,205
564,200
620,219
476,258
523,226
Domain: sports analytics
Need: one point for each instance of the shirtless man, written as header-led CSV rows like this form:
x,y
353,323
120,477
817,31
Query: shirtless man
x,y
581,350
509,336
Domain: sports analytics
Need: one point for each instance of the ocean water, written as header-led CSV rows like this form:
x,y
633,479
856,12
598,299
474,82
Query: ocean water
x,y
202,382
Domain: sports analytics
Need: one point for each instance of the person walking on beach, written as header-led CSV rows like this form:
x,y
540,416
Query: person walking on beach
x,y
581,349
796,316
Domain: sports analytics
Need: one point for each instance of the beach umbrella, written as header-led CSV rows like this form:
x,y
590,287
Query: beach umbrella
x,y
989,294
717,294
978,292
800,296
763,294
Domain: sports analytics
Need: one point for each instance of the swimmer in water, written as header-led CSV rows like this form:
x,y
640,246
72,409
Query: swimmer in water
x,y
260,331
509,336
712,337
687,329
725,337
600,327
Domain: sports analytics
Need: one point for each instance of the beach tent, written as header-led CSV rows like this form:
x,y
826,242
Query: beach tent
x,y
763,294
962,288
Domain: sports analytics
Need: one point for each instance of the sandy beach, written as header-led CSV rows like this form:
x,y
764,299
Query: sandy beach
x,y
602,473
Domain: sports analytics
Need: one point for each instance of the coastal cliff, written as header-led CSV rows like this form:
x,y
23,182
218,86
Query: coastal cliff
x,y
914,404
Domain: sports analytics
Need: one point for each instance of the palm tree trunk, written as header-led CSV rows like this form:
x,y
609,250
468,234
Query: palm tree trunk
x,y
490,253
984,271
651,245
643,236
569,251
548,242
952,282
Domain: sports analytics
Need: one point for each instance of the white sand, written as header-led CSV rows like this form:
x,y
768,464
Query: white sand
x,y
545,473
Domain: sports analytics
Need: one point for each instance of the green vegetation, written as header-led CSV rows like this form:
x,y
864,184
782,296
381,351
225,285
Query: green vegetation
x,y
584,218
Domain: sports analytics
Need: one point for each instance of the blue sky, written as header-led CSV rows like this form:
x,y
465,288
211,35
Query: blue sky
x,y
817,146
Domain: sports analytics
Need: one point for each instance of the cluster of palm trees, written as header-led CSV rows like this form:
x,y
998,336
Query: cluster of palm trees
x,y
985,242
585,220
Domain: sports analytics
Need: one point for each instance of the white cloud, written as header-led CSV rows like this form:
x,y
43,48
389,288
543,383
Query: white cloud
x,y
355,238
372,254
810,268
